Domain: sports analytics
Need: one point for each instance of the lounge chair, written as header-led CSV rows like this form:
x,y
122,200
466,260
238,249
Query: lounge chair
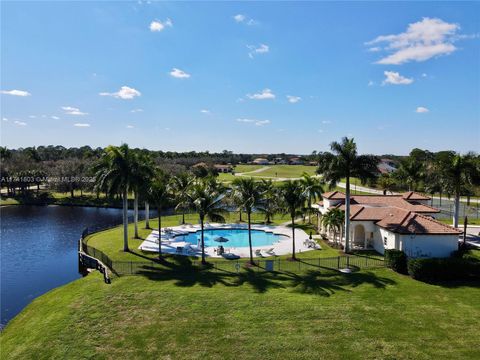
x,y
270,252
230,256
258,253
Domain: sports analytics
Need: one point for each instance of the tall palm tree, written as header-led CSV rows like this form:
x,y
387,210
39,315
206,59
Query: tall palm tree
x,y
333,221
460,172
293,199
312,189
248,196
345,162
158,194
143,169
179,186
115,174
269,204
207,200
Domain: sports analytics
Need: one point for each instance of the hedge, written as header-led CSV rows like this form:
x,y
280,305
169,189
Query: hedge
x,y
396,260
436,269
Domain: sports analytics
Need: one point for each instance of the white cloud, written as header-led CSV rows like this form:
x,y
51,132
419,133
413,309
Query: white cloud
x,y
394,78
422,109
4,119
421,41
424,75
179,74
32,116
136,110
371,83
260,49
265,94
205,111
125,93
55,117
320,131
293,99
254,121
16,92
374,49
157,26
20,123
81,125
130,126
326,122
69,110
239,18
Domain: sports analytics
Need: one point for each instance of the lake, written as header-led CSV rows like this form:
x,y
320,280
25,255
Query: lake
x,y
38,250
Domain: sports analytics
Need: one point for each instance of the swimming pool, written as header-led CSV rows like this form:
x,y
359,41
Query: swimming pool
x,y
236,237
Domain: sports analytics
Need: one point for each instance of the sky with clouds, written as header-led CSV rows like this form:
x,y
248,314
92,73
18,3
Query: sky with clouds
x,y
247,77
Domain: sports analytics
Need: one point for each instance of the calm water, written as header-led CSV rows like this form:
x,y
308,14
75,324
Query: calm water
x,y
38,250
236,237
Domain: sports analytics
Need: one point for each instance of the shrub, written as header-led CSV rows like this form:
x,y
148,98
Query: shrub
x,y
396,260
435,269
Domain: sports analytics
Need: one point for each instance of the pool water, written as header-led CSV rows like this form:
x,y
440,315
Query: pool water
x,y
236,237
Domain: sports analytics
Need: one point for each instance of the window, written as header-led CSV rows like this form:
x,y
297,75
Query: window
x,y
385,240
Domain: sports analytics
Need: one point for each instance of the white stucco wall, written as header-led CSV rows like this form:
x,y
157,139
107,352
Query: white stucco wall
x,y
428,245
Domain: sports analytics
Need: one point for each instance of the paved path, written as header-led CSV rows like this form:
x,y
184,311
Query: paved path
x,y
253,171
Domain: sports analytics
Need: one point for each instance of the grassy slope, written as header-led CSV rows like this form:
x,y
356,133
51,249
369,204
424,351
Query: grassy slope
x,y
377,314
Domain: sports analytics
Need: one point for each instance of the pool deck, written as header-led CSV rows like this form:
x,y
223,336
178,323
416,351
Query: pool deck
x,y
170,245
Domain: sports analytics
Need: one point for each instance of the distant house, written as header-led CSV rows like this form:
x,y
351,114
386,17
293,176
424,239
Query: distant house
x,y
260,161
295,161
200,164
386,166
403,222
223,168
313,163
280,161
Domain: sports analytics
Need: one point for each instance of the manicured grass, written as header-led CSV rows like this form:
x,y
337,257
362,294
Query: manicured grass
x,y
471,221
286,171
247,168
8,201
217,315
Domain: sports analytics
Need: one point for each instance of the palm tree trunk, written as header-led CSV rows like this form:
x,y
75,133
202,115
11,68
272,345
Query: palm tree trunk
x,y
204,262
125,220
135,213
347,214
183,216
250,238
293,237
456,209
159,233
147,215
240,215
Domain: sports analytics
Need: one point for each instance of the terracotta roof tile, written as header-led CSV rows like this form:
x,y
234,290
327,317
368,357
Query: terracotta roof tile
x,y
412,195
411,223
334,195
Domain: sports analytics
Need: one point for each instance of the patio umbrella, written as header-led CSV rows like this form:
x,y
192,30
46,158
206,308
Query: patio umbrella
x,y
221,239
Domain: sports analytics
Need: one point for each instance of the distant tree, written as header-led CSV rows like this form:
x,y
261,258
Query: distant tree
x,y
269,205
386,182
312,188
179,187
410,173
333,221
159,195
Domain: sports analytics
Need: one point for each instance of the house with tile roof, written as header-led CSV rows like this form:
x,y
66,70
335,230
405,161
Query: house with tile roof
x,y
404,222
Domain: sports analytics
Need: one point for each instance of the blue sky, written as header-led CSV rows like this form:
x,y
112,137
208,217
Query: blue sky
x,y
247,77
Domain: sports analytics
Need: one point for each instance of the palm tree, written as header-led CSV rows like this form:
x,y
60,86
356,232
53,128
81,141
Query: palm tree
x,y
312,189
158,194
345,162
248,196
386,182
143,169
207,200
180,186
269,204
293,199
333,221
411,173
460,172
115,174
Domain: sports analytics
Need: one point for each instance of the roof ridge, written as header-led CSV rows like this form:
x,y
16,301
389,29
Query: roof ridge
x,y
358,212
405,218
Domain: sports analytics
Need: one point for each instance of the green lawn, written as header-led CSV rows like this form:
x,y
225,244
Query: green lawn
x,y
218,315
471,221
286,171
